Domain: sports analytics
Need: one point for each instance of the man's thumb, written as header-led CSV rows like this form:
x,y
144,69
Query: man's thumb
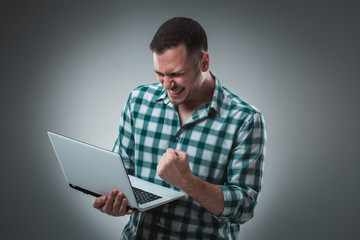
x,y
181,154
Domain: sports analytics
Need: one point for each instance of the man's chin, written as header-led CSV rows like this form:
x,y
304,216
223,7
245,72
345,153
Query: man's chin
x,y
175,101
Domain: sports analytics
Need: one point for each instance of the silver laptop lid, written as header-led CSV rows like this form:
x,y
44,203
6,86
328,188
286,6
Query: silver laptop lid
x,y
91,168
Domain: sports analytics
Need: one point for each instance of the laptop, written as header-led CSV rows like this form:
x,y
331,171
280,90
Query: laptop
x,y
96,171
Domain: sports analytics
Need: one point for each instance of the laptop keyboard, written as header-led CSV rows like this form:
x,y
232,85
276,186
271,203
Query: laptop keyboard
x,y
143,196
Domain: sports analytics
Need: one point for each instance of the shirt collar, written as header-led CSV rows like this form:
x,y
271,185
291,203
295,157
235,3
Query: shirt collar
x,y
163,96
215,103
218,96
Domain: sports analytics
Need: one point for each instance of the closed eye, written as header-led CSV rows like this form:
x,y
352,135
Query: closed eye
x,y
174,75
160,74
171,75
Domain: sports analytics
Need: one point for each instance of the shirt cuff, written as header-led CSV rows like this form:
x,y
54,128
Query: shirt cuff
x,y
234,200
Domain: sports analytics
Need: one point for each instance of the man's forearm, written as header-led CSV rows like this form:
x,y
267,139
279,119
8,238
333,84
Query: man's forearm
x,y
208,195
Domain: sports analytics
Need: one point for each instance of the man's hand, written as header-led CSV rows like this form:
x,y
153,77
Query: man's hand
x,y
174,168
115,204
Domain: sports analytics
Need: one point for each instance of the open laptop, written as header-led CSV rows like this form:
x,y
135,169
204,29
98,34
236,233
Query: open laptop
x,y
97,172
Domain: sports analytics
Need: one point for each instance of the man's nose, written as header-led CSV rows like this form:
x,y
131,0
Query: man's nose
x,y
168,82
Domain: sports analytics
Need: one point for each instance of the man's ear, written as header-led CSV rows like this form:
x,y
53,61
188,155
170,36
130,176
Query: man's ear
x,y
205,62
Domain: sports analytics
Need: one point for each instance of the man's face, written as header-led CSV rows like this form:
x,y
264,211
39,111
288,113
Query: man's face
x,y
179,74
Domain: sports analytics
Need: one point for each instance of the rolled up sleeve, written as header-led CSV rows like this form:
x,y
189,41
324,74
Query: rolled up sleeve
x,y
245,171
125,144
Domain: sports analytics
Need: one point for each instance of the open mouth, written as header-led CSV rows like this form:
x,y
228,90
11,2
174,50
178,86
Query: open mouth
x,y
176,92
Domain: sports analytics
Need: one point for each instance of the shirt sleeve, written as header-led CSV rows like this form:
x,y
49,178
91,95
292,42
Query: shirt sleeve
x,y
245,171
125,143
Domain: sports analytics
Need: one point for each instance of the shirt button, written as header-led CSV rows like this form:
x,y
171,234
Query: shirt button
x,y
177,138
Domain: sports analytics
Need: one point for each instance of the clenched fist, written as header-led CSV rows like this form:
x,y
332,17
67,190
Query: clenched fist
x,y
174,168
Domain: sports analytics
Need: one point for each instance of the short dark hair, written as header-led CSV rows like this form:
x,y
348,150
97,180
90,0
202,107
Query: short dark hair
x,y
180,30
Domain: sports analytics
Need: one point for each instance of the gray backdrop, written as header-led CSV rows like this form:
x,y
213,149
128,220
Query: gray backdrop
x,y
68,66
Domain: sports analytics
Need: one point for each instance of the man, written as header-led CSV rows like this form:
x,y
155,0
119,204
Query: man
x,y
189,133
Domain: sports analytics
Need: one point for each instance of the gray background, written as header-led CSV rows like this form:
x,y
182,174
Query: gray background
x,y
68,66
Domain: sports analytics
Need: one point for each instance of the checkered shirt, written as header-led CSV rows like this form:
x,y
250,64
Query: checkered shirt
x,y
225,140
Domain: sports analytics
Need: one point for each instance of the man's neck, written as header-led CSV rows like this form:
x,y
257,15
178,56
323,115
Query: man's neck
x,y
204,96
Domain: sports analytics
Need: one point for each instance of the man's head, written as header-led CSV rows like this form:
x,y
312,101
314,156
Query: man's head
x,y
181,61
180,30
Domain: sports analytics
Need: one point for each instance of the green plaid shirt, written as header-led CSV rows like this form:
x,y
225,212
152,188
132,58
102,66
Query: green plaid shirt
x,y
225,141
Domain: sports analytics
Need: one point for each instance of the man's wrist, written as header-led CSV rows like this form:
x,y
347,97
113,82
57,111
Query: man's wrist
x,y
189,183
